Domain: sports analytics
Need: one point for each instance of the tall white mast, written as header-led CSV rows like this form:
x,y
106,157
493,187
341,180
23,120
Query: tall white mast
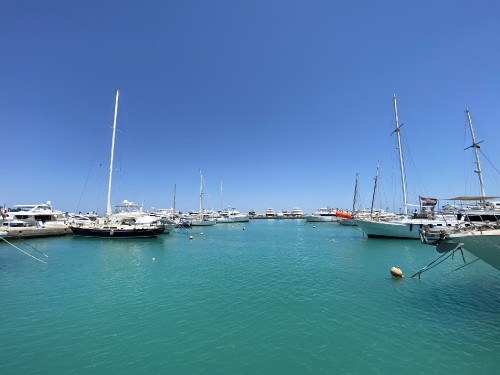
x,y
221,197
108,208
401,164
475,146
201,196
174,198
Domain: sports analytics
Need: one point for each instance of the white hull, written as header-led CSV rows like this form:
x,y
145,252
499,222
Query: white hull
x,y
483,244
405,228
224,220
202,223
318,219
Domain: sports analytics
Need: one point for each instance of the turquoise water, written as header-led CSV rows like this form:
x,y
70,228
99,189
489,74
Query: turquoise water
x,y
265,297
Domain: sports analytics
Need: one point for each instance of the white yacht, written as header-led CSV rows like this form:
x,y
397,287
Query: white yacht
x,y
34,214
237,216
270,213
224,217
324,214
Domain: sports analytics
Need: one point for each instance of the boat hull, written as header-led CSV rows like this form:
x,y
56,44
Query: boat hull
x,y
484,245
396,229
320,219
117,232
224,220
202,223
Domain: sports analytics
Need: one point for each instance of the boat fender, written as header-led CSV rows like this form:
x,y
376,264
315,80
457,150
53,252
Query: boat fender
x,y
423,237
396,272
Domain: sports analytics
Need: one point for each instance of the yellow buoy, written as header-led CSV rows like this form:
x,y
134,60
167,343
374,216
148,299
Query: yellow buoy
x,y
396,272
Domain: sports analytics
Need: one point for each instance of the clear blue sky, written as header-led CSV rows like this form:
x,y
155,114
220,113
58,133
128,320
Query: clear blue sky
x,y
285,101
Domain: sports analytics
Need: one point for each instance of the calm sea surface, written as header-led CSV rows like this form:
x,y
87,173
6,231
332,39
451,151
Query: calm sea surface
x,y
265,297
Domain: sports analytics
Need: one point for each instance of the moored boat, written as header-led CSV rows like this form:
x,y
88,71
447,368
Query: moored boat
x,y
126,223
323,214
270,213
41,213
404,225
203,219
482,240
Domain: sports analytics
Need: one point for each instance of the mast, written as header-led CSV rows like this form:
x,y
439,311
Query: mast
x,y
355,193
108,207
201,196
174,198
475,146
374,190
221,197
401,164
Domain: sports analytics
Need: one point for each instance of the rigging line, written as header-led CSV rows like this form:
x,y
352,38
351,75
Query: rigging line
x,y
34,257
489,161
86,181
418,181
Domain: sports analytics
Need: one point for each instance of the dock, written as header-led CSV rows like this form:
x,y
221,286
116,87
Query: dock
x,y
34,232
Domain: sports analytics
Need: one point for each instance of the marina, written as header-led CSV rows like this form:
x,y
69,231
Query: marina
x,y
281,296
347,219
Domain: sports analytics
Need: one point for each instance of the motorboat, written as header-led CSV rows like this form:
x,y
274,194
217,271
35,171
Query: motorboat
x,y
324,214
41,213
270,213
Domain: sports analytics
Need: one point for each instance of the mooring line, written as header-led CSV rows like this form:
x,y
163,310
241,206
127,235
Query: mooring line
x,y
466,264
34,257
432,265
41,252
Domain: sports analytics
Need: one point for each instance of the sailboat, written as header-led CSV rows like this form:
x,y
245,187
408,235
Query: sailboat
x,y
404,226
230,214
223,215
480,231
135,224
202,220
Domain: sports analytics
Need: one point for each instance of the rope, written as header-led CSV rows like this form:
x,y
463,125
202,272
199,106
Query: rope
x,y
452,253
456,269
24,251
41,252
433,264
